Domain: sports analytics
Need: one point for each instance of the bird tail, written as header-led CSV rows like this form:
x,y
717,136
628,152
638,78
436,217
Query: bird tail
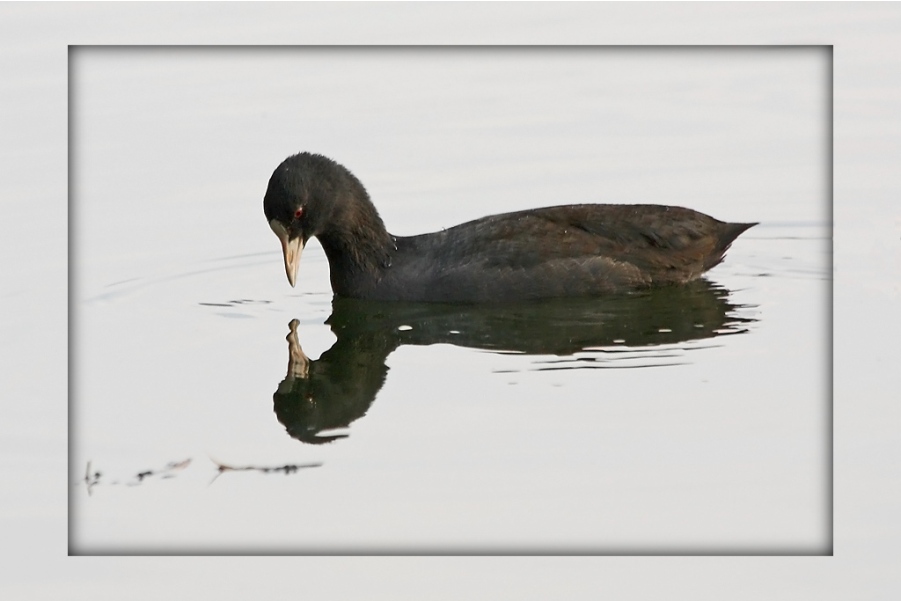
x,y
728,233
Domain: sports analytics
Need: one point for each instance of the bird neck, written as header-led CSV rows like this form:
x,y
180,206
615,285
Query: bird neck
x,y
357,245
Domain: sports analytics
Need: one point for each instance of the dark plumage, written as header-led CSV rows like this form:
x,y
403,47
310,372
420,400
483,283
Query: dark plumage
x,y
563,251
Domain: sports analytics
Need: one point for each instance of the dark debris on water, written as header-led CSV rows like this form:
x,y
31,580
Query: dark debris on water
x,y
94,478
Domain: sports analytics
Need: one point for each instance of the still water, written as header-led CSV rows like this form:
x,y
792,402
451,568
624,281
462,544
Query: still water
x,y
217,410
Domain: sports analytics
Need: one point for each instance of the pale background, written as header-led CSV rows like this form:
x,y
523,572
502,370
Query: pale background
x,y
866,269
713,445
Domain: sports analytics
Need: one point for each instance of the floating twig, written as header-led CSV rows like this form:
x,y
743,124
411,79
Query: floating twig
x,y
90,480
166,472
286,469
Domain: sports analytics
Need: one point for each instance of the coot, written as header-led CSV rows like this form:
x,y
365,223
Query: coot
x,y
562,251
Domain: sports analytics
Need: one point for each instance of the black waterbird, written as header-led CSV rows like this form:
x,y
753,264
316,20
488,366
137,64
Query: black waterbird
x,y
554,252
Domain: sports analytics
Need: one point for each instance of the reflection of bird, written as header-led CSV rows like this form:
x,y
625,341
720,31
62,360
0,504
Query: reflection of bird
x,y
332,391
564,251
319,398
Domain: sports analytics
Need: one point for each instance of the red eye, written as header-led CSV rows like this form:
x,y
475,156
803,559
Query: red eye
x,y
298,213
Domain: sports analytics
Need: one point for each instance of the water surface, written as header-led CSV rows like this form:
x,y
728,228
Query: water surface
x,y
687,420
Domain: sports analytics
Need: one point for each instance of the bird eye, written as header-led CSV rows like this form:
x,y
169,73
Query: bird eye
x,y
298,213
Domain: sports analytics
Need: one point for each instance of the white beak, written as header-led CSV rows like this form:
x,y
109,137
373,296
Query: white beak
x,y
291,249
